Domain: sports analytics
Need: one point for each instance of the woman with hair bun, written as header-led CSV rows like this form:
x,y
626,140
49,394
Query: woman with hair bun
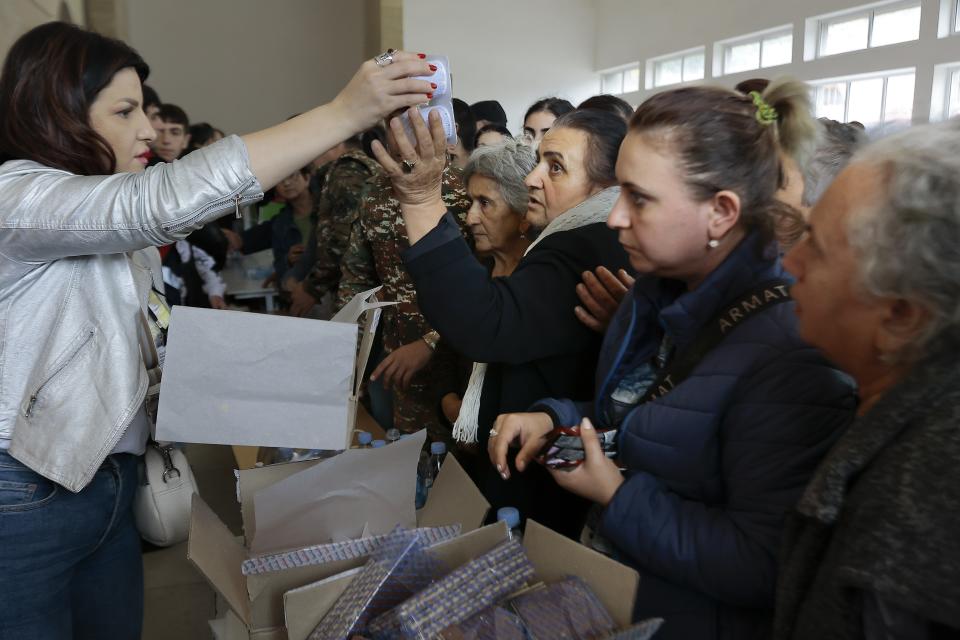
x,y
712,403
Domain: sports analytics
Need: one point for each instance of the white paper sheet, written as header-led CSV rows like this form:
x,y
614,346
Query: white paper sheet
x,y
359,492
253,379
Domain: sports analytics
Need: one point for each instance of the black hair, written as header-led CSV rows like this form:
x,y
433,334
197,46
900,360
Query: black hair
x,y
556,106
489,110
607,102
605,131
200,135
466,124
173,114
150,97
374,133
498,128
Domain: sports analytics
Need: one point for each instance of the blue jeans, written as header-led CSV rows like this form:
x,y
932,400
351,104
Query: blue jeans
x,y
70,563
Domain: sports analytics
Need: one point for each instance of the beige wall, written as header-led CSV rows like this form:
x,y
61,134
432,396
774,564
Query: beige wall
x,y
516,52
245,64
19,16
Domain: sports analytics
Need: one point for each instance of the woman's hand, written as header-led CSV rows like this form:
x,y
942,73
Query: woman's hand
x,y
530,429
601,295
399,367
598,478
418,176
375,92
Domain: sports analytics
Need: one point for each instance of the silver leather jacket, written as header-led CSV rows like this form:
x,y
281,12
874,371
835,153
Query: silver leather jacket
x,y
73,281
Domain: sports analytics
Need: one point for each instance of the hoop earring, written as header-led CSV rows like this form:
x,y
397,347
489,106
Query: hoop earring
x,y
713,244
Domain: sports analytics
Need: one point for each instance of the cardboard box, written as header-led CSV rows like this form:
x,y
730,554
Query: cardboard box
x,y
213,393
553,556
257,600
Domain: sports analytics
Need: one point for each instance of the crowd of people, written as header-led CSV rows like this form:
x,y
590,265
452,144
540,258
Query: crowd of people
x,y
713,337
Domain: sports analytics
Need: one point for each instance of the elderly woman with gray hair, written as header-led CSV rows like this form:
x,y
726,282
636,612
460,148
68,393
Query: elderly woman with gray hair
x,y
497,220
871,550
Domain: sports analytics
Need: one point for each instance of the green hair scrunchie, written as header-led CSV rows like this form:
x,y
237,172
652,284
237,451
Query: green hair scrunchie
x,y
766,115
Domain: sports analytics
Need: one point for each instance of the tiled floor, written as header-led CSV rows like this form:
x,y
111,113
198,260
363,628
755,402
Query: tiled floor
x,y
178,601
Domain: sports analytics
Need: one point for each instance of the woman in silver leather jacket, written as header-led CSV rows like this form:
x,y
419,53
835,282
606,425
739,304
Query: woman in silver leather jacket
x,y
79,217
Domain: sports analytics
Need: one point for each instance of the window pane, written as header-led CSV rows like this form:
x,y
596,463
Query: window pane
x,y
899,98
612,82
891,27
631,80
831,100
668,72
844,35
693,67
866,101
742,57
777,50
953,108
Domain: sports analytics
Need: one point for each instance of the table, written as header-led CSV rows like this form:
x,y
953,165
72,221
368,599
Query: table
x,y
241,287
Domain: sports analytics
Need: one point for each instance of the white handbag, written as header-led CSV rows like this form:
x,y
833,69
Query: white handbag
x,y
161,507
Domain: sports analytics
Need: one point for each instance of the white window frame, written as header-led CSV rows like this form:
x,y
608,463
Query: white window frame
x,y
886,75
621,70
949,21
651,67
721,48
942,85
815,27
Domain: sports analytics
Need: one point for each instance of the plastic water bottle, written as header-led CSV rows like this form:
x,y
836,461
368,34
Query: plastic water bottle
x,y
423,467
511,516
438,452
364,439
376,444
393,435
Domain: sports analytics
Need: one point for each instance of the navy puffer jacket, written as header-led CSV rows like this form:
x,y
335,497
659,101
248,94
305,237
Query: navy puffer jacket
x,y
714,465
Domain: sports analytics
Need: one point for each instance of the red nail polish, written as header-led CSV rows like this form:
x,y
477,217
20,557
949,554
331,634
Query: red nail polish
x,y
433,67
421,55
430,95
433,85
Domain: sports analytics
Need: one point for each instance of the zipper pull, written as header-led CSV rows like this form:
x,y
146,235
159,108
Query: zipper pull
x,y
236,202
29,411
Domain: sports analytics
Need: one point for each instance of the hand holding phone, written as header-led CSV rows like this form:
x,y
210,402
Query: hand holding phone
x,y
564,448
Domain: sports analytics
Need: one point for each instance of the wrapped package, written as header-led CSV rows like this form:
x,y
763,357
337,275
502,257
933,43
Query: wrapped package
x,y
399,569
335,551
493,624
566,610
460,595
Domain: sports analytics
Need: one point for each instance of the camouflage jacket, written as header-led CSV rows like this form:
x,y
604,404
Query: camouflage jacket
x,y
347,181
373,257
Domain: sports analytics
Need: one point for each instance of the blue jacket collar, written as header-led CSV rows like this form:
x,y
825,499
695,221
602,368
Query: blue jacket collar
x,y
682,313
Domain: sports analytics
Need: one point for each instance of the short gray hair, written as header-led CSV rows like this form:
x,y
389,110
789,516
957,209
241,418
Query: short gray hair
x,y
835,144
909,247
507,164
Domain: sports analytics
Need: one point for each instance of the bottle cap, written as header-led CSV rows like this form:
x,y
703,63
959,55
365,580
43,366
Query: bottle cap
x,y
376,444
393,434
510,515
438,448
364,437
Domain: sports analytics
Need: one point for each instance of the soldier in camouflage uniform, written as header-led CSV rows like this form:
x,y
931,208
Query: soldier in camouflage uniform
x,y
347,180
373,258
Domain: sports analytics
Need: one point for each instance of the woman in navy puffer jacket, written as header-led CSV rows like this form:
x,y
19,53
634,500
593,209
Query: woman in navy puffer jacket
x,y
712,464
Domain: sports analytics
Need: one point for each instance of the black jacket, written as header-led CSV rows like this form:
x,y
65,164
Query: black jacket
x,y
522,325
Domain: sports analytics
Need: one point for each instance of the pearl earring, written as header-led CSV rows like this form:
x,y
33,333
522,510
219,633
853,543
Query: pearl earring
x,y
713,244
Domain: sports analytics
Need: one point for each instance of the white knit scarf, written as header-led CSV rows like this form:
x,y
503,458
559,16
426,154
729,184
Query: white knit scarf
x,y
596,208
